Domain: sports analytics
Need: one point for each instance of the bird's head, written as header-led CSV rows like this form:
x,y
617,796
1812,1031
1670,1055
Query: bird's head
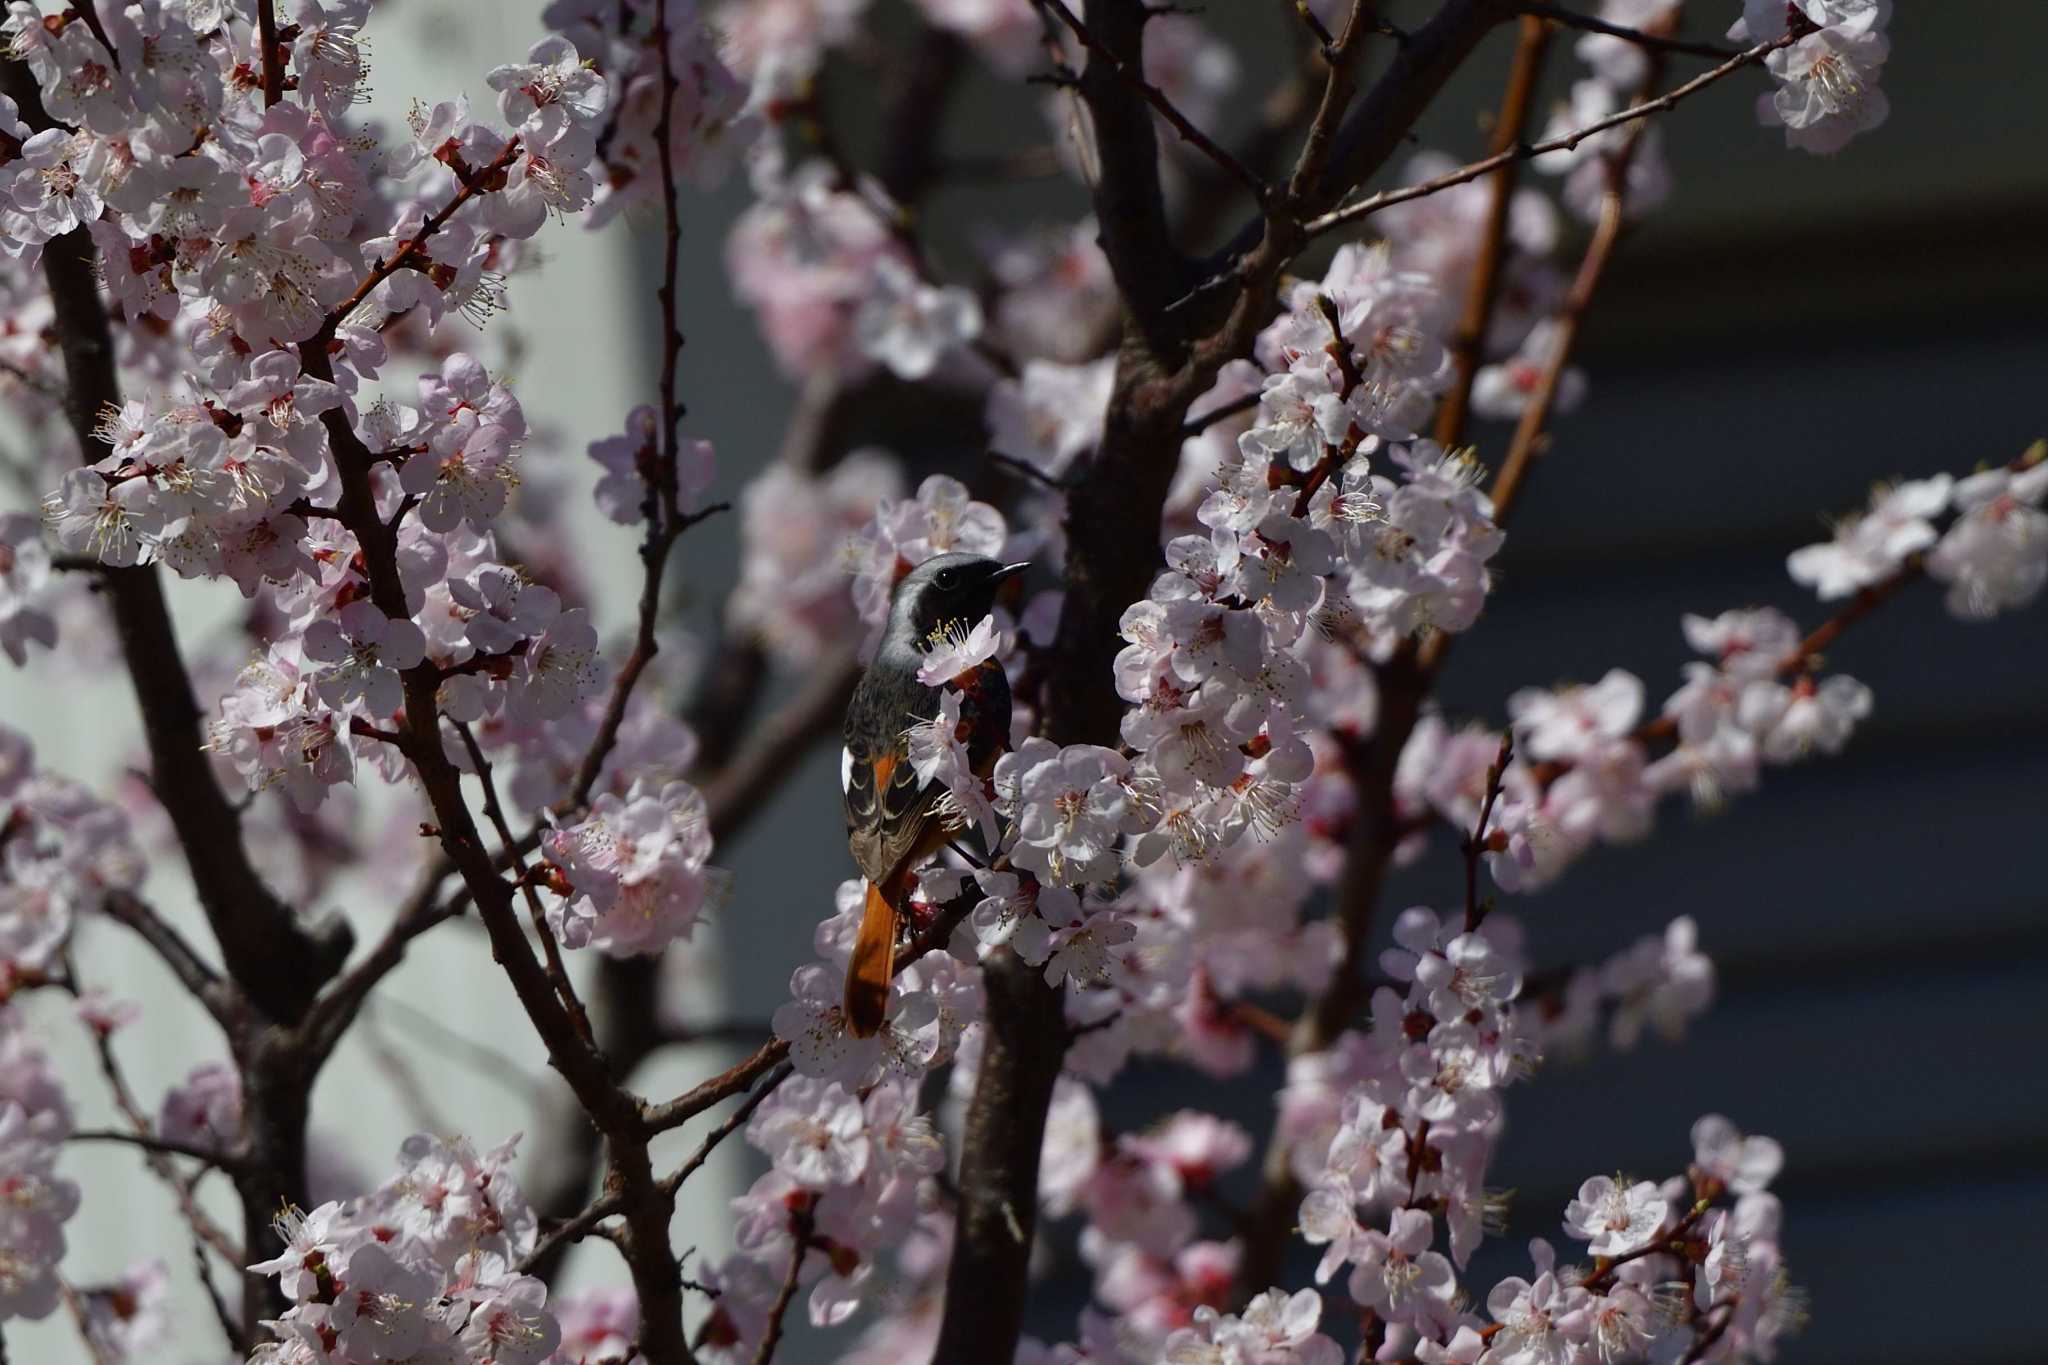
x,y
947,588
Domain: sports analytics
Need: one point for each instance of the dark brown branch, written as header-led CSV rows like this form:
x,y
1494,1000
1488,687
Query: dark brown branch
x,y
678,1177
337,1006
508,848
225,1161
1375,130
1005,1129
273,51
219,997
1129,68
1130,208
800,1247
1654,42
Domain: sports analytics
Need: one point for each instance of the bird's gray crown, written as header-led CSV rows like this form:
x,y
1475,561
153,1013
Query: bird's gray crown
x,y
945,588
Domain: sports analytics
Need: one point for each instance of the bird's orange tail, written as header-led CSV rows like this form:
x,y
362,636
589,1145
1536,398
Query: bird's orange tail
x,y
872,966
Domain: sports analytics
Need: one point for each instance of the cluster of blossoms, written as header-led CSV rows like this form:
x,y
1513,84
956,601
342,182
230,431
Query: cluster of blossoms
x,y
63,851
636,864
1394,1129
835,285
35,1119
244,236
269,260
1827,78
1585,768
422,1268
1993,556
851,1176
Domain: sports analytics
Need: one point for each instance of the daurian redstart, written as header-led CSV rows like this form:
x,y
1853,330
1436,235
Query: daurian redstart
x,y
892,820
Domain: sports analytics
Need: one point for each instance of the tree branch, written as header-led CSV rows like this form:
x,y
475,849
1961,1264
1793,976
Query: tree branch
x,y
273,53
1365,208
1655,42
800,1247
1129,69
225,1161
1130,209
1022,1053
1468,342
221,999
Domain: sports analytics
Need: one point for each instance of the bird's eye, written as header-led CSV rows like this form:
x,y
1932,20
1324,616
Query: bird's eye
x,y
946,580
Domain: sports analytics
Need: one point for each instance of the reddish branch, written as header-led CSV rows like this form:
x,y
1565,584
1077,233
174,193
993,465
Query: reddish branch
x,y
799,1247
1475,842
273,51
1483,291
1405,682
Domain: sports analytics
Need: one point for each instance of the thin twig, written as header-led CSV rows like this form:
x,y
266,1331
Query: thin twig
x,y
800,1246
742,1075
203,1227
574,1230
1315,26
1195,426
1528,437
474,182
1655,42
1475,842
238,1343
336,1007
558,971
161,1145
676,1178
74,1304
1372,204
199,980
1155,97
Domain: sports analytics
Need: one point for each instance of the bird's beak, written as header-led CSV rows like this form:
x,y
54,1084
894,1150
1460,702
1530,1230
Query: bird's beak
x,y
1004,582
1009,571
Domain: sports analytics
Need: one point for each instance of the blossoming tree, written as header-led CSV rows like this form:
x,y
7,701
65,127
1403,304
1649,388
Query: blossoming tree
x,y
233,315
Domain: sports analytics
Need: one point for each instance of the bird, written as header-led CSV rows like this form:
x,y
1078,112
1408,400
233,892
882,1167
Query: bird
x,y
892,819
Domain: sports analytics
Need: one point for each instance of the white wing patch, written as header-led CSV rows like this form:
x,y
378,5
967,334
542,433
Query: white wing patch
x,y
845,769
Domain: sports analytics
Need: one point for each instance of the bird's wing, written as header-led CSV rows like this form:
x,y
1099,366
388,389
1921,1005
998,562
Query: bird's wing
x,y
887,808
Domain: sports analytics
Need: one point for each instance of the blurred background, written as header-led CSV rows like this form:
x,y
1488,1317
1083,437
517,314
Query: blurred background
x,y
1785,331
